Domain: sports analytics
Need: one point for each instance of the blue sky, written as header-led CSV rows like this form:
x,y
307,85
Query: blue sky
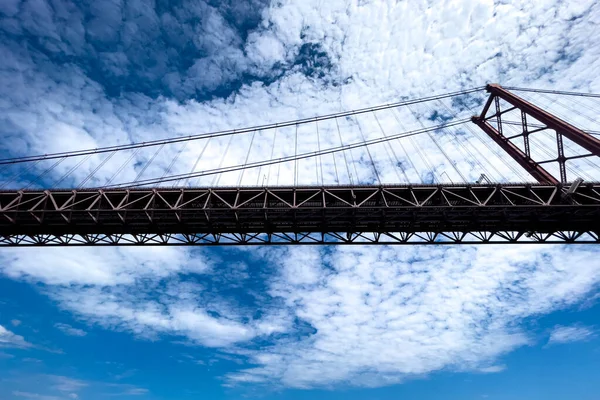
x,y
509,322
84,352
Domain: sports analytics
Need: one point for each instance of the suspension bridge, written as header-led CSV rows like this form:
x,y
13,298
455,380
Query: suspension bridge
x,y
484,165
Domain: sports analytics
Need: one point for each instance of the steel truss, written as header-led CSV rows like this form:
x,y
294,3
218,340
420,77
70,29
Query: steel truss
x,y
415,214
527,109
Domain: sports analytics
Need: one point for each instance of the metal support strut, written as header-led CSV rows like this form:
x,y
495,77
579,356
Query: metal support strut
x,y
524,159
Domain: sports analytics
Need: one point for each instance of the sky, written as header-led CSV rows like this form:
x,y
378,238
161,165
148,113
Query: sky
x,y
465,322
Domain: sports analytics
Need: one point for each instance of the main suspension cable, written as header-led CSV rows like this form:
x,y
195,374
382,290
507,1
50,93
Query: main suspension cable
x,y
201,136
280,160
552,91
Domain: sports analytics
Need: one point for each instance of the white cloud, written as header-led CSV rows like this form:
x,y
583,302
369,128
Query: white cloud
x,y
30,395
107,266
383,315
65,387
439,46
32,360
365,316
69,330
368,316
9,339
265,49
66,384
127,390
493,369
569,334
136,392
179,316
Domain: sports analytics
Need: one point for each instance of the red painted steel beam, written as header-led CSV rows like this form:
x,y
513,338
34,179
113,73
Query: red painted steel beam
x,y
573,133
539,173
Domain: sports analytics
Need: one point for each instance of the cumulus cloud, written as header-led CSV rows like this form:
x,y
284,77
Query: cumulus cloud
x,y
568,334
182,49
382,316
104,73
185,314
313,58
98,266
365,316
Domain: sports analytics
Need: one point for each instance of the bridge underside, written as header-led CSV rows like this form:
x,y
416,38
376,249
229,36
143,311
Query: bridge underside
x,y
415,214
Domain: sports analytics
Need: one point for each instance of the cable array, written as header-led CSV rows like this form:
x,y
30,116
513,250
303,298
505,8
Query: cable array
x,y
428,140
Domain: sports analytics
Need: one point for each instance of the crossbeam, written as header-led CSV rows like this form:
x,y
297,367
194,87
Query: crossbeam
x,y
413,214
550,121
532,167
571,132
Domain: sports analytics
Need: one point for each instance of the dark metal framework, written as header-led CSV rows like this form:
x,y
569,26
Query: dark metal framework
x,y
545,212
562,129
417,214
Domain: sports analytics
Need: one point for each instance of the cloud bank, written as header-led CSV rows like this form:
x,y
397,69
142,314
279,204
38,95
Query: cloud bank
x,y
322,317
82,75
88,74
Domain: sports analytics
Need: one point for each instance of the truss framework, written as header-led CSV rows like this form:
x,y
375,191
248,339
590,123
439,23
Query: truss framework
x,y
530,111
417,214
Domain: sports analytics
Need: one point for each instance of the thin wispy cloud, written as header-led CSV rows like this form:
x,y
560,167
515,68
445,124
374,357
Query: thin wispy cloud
x,y
69,330
10,339
494,369
569,334
66,385
38,396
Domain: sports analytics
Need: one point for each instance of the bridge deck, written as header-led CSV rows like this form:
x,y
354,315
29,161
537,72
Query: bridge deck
x,y
435,214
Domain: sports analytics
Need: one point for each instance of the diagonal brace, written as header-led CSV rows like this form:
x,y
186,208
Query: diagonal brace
x,y
571,132
533,168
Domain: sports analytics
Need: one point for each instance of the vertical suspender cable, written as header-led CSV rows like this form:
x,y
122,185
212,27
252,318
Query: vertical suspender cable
x,y
247,158
149,162
172,164
412,164
344,152
187,182
272,152
122,167
465,147
398,163
91,174
362,135
261,167
70,171
494,149
423,158
217,177
319,147
50,168
295,155
432,137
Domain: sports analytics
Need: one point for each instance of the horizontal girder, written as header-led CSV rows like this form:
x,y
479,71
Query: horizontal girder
x,y
303,215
